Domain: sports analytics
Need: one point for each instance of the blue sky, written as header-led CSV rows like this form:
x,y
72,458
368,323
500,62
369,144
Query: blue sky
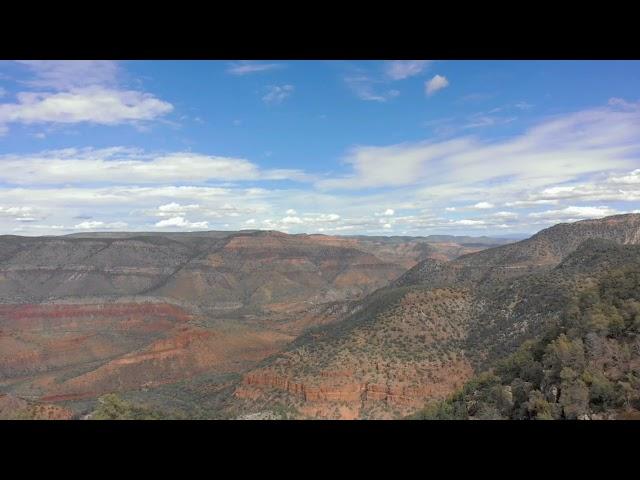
x,y
335,147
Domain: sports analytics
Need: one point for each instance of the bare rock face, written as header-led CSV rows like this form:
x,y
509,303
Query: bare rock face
x,y
344,396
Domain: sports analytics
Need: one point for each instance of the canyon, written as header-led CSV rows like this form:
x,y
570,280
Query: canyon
x,y
262,324
84,315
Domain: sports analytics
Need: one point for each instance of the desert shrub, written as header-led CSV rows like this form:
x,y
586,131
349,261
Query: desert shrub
x,y
112,407
580,362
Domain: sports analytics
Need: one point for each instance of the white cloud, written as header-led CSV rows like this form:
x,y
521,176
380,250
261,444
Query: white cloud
x,y
308,222
614,187
530,203
70,74
79,91
389,212
483,205
438,82
181,222
558,149
523,106
401,69
505,215
172,209
89,104
130,166
307,219
248,67
276,94
97,225
290,219
633,178
468,222
3,92
177,208
573,212
623,104
321,218
557,170
394,165
15,211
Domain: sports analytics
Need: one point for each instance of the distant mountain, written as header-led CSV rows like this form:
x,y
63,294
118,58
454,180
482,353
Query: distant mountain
x,y
215,269
462,240
540,252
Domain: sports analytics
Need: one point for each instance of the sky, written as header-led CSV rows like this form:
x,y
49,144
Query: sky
x,y
334,147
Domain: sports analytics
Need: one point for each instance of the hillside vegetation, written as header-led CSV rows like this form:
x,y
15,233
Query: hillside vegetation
x,y
587,365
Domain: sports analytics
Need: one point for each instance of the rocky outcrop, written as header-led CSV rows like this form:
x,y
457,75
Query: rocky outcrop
x,y
326,394
349,391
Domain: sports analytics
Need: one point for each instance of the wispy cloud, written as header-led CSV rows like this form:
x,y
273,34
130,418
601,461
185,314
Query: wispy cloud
x,y
120,165
369,84
621,103
248,67
401,69
89,104
523,105
276,94
558,149
69,74
480,120
476,97
364,88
